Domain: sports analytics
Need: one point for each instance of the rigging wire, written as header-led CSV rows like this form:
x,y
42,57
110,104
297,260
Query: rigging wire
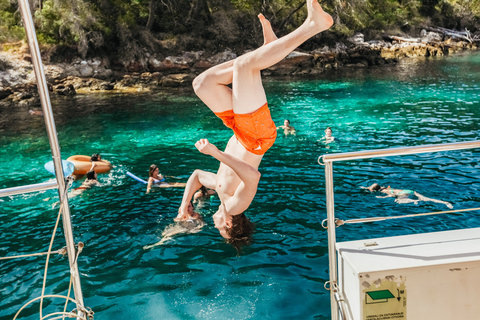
x,y
88,314
339,222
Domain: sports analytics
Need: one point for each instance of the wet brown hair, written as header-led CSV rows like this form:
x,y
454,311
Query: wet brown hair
x,y
241,231
152,169
91,175
204,191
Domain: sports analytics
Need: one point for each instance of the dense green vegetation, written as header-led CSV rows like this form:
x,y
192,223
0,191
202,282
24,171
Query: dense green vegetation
x,y
128,30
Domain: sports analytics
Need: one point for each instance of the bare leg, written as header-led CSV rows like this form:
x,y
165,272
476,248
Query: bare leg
x,y
268,34
423,198
244,72
248,92
211,86
405,200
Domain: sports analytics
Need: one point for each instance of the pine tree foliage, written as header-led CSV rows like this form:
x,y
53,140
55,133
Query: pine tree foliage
x,y
132,30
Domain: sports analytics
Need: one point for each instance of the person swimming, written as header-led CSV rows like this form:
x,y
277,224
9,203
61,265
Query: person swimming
x,y
328,138
403,195
95,159
287,128
203,193
193,224
154,177
90,181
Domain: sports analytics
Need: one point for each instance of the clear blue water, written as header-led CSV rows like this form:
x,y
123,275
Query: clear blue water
x,y
197,276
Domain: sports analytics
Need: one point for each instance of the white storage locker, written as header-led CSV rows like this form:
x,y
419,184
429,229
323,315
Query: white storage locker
x,y
430,276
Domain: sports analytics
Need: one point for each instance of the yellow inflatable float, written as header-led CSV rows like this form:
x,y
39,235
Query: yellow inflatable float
x,y
83,164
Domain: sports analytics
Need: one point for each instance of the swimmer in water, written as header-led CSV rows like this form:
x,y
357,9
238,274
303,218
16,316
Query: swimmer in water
x,y
403,195
203,193
193,224
89,182
328,136
234,92
154,177
95,159
287,128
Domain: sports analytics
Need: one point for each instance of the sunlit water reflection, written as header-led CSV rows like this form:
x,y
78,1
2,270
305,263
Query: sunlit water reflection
x,y
197,276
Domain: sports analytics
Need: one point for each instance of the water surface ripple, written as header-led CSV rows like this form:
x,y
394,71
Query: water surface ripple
x,y
197,276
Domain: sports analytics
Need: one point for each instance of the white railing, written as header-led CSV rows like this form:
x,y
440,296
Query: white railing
x,y
336,303
60,182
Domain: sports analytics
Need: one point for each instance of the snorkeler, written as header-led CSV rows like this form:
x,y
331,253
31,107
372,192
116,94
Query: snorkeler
x,y
244,109
154,177
403,195
287,128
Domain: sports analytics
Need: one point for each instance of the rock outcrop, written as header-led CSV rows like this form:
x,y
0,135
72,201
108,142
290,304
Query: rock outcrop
x,y
18,86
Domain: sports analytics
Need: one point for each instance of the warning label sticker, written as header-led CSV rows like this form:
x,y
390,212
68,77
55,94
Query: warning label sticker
x,y
384,299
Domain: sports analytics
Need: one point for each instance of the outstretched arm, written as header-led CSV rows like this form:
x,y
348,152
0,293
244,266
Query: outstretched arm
x,y
249,175
197,179
382,197
149,184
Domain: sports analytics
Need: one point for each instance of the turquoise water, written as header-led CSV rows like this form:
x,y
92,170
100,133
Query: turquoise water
x,y
197,276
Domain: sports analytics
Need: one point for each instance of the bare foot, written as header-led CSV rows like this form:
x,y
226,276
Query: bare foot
x,y
268,34
320,18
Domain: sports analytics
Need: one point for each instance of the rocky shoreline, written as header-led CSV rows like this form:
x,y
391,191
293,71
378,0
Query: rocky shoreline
x,y
18,86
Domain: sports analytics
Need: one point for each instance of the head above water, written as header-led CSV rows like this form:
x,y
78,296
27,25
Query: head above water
x,y
375,187
192,213
96,157
328,132
151,171
286,123
91,175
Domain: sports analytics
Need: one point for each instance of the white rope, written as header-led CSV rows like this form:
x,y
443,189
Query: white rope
x,y
68,295
61,251
50,246
44,296
63,314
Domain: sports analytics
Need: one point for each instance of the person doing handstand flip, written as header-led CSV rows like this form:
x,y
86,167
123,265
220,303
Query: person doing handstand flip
x,y
244,109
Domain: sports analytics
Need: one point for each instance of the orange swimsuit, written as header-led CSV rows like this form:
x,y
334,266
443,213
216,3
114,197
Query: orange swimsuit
x,y
256,131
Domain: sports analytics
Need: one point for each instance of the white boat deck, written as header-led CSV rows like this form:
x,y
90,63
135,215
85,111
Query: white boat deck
x,y
411,251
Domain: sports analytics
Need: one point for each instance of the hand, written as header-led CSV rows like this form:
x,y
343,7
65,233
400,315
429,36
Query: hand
x,y
182,213
205,147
